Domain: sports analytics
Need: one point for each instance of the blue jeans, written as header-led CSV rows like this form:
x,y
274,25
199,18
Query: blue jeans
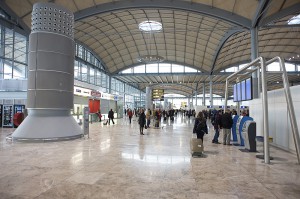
x,y
217,133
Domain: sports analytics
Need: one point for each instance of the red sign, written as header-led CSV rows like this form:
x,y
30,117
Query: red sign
x,y
95,93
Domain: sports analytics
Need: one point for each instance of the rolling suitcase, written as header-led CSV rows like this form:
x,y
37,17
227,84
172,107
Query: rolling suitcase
x,y
196,147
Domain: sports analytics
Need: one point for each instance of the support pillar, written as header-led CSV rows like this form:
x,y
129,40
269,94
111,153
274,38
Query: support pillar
x,y
203,98
196,98
211,99
50,77
148,100
254,55
109,84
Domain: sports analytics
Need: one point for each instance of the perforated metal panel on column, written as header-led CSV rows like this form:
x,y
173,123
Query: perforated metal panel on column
x,y
51,58
50,76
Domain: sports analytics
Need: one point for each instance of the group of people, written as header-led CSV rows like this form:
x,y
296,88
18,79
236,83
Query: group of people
x,y
219,121
110,116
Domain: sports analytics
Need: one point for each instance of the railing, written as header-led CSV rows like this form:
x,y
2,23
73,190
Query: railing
x,y
261,64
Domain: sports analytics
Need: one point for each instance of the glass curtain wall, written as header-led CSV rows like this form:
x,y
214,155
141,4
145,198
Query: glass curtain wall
x,y
13,56
87,67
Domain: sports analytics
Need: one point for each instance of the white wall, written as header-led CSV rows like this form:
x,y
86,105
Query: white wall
x,y
279,122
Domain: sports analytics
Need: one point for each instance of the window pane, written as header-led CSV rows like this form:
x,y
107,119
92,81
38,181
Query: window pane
x,y
113,84
92,75
88,56
152,68
8,43
298,66
103,79
77,70
20,48
273,67
98,78
190,70
139,69
164,68
84,73
1,68
129,70
19,71
232,69
290,67
80,51
177,68
7,70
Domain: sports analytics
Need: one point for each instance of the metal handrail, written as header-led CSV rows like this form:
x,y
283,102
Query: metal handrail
x,y
289,101
260,63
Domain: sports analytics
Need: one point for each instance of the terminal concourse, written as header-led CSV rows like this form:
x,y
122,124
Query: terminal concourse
x,y
117,162
111,99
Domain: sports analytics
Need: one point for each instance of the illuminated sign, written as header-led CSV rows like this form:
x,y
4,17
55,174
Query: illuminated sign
x,y
96,93
158,95
82,91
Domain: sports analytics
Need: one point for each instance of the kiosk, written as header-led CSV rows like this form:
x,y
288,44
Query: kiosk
x,y
234,135
239,127
249,135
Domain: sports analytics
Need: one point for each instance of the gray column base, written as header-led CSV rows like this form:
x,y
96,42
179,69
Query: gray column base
x,y
47,125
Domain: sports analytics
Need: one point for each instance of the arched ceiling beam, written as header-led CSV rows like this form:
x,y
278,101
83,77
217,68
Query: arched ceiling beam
x,y
174,4
282,13
175,91
161,74
161,85
227,35
231,65
260,12
169,62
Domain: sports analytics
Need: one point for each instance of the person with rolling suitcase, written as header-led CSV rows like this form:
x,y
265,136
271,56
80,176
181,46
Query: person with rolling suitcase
x,y
200,128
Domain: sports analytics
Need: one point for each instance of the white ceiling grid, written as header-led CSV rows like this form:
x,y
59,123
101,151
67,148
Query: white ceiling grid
x,y
188,38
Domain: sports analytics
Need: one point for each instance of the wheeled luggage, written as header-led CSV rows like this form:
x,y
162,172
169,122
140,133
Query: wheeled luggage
x,y
196,147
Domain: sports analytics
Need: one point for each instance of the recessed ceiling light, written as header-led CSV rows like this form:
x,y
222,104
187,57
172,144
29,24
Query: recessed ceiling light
x,y
277,82
150,26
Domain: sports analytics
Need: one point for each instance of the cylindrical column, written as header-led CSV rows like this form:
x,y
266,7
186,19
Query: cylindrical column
x,y
166,104
254,55
196,98
50,76
203,98
211,91
148,100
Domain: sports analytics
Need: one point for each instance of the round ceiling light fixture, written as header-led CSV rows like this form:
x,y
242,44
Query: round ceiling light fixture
x,y
150,26
150,59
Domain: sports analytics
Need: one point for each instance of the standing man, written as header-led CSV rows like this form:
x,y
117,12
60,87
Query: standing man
x,y
217,126
142,121
226,124
111,116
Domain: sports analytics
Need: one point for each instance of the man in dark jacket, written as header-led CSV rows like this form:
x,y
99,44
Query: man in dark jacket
x,y
217,126
111,116
226,124
142,121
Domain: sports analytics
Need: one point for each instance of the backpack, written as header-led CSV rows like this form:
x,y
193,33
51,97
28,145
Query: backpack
x,y
201,126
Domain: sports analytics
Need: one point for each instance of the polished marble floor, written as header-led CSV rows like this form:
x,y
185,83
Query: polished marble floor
x,y
117,162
